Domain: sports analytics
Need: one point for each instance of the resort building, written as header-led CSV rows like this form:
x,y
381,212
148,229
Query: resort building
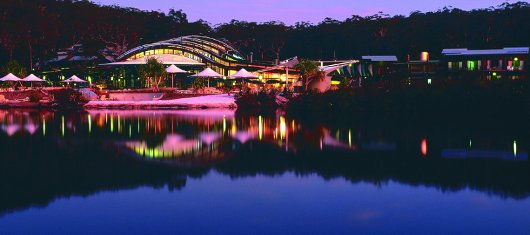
x,y
194,53
379,67
424,68
508,62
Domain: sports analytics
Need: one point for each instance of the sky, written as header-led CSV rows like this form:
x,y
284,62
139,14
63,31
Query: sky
x,y
292,11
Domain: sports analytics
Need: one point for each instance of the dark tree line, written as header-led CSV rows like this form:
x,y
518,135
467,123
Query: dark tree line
x,y
33,30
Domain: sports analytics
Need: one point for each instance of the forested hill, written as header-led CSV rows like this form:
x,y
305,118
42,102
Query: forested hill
x,y
37,28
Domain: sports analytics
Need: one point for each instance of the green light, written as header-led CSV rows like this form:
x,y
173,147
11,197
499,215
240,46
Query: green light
x,y
494,74
43,126
516,59
111,124
471,65
62,125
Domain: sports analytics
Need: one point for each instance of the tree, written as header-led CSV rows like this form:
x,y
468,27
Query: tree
x,y
309,72
178,16
15,68
154,72
198,83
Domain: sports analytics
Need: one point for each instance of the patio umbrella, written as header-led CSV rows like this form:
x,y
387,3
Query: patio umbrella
x,y
74,79
173,70
10,78
208,73
243,73
32,78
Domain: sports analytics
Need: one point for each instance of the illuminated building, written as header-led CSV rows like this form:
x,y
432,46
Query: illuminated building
x,y
193,53
490,64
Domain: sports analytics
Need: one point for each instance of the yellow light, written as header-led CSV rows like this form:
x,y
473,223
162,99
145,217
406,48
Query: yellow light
x,y
234,127
43,126
260,127
349,137
283,77
224,124
89,124
424,56
335,82
516,59
283,127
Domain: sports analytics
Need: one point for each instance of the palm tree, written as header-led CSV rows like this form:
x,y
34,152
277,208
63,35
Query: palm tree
x,y
154,72
309,72
15,68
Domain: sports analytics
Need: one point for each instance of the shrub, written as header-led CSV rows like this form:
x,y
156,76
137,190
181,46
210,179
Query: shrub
x,y
253,101
69,98
35,97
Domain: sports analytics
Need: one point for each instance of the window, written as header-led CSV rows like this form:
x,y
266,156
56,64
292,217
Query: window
x,y
471,65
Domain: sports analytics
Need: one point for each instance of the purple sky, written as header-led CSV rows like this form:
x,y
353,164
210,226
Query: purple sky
x,y
291,11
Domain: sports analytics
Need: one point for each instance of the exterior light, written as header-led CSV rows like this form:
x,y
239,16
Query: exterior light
x,y
429,81
516,59
424,57
424,147
494,74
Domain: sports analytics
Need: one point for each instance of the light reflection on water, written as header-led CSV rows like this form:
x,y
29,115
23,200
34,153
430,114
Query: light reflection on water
x,y
97,151
183,132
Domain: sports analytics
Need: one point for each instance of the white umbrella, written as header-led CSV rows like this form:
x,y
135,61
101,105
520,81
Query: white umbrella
x,y
243,73
175,69
208,73
75,79
10,78
172,70
32,78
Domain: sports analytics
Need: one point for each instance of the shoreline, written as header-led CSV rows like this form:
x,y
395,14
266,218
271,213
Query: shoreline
x,y
201,102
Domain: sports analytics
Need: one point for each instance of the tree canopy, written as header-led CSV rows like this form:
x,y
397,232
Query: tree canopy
x,y
154,72
33,31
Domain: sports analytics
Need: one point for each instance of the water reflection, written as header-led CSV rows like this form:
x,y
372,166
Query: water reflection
x,y
83,153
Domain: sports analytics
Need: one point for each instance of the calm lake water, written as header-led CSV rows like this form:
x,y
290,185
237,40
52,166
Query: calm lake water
x,y
217,172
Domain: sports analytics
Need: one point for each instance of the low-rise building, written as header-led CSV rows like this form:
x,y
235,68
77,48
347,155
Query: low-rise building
x,y
508,62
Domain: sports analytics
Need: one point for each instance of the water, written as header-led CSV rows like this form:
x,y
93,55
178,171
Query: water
x,y
216,172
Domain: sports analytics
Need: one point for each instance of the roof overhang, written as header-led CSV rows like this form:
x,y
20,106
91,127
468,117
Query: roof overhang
x,y
166,59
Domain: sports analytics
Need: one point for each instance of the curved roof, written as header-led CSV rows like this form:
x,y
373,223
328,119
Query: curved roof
x,y
208,49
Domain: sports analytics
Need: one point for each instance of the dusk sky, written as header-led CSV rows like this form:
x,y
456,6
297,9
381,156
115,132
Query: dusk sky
x,y
291,11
